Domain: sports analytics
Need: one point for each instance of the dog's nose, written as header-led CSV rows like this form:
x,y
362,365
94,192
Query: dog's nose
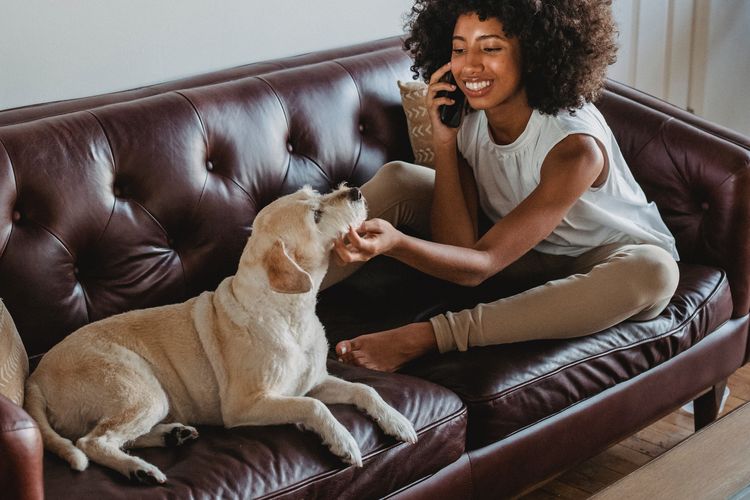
x,y
355,194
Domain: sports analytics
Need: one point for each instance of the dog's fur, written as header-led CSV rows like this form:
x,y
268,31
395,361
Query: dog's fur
x,y
246,354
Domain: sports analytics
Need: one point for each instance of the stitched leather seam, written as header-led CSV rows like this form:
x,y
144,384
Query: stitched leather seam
x,y
15,427
359,97
205,179
114,173
295,487
289,129
205,138
656,135
509,392
286,120
573,405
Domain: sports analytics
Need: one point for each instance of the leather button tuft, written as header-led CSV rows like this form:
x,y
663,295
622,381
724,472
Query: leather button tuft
x,y
170,242
16,216
289,147
361,127
704,206
209,166
76,271
117,191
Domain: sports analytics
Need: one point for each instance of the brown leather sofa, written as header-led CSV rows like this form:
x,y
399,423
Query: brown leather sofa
x,y
145,197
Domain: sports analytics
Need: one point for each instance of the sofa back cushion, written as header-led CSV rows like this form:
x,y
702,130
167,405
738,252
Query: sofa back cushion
x,y
149,202
700,181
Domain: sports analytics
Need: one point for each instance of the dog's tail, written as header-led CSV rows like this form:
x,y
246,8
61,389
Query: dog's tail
x,y
36,406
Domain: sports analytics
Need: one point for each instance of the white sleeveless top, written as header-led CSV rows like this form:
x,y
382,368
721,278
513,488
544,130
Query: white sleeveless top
x,y
616,211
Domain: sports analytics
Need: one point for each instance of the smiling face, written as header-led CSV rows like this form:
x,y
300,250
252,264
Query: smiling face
x,y
487,64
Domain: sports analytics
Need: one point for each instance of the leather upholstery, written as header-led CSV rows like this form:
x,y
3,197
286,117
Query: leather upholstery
x,y
700,183
20,453
527,458
166,187
285,462
146,197
513,386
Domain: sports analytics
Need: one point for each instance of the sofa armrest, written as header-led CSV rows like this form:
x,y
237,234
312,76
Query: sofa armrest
x,y
21,453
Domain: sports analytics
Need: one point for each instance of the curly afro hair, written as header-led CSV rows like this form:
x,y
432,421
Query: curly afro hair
x,y
566,45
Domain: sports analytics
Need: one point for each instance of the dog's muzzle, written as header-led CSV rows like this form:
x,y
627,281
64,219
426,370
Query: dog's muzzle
x,y
355,194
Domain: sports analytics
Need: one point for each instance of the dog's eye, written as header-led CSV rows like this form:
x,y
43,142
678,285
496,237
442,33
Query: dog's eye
x,y
317,214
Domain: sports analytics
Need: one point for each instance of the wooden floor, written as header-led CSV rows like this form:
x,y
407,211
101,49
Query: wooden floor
x,y
623,458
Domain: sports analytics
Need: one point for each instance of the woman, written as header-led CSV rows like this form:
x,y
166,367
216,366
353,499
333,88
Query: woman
x,y
539,159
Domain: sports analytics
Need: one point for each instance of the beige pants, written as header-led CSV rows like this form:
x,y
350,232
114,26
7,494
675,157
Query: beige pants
x,y
584,294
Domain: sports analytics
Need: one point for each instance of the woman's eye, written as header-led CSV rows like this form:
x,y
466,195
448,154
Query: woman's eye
x,y
458,51
493,49
317,214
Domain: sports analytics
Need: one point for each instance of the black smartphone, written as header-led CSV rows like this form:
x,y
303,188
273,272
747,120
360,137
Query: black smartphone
x,y
452,115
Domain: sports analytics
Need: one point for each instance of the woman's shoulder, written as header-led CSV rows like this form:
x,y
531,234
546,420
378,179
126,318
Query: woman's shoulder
x,y
587,120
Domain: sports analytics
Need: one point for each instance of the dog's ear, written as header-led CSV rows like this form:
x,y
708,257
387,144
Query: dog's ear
x,y
285,275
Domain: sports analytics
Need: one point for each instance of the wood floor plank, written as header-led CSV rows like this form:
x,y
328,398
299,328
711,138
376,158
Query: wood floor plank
x,y
681,419
662,441
635,451
589,478
621,459
558,490
741,382
675,432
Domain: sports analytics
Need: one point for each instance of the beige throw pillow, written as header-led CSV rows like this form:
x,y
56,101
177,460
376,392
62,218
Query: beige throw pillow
x,y
14,365
413,99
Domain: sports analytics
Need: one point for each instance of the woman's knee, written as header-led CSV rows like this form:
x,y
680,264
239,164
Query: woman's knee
x,y
402,176
401,193
655,271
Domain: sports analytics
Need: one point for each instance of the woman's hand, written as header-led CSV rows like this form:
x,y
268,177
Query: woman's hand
x,y
442,135
374,237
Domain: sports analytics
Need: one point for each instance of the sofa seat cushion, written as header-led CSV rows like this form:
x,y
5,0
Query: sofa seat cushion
x,y
509,387
286,462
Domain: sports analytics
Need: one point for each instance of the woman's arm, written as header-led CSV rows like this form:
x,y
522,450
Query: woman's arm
x,y
570,168
453,217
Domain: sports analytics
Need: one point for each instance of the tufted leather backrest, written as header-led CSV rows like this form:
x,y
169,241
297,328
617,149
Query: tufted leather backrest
x,y
700,182
149,200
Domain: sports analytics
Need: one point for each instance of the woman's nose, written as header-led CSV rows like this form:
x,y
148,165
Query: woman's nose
x,y
473,61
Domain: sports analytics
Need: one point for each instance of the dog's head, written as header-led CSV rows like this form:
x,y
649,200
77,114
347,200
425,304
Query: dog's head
x,y
295,234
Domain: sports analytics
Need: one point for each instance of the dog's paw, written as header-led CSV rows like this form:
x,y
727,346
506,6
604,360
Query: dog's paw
x,y
396,425
346,448
149,476
77,459
179,434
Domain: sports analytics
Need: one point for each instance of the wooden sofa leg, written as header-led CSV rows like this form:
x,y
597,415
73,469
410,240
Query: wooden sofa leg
x,y
706,407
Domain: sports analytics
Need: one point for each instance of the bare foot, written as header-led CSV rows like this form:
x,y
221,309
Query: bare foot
x,y
388,350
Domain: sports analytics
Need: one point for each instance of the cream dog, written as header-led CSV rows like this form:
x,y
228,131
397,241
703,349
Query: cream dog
x,y
246,354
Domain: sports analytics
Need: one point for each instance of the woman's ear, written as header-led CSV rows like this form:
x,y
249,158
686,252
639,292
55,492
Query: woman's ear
x,y
284,274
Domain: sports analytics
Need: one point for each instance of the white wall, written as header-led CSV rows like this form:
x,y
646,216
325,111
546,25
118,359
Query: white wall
x,y
725,96
692,53
62,49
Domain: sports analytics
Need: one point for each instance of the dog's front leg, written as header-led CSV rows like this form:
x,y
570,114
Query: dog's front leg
x,y
334,390
310,413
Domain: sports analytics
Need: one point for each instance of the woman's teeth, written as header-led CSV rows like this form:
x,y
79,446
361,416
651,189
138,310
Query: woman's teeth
x,y
477,86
